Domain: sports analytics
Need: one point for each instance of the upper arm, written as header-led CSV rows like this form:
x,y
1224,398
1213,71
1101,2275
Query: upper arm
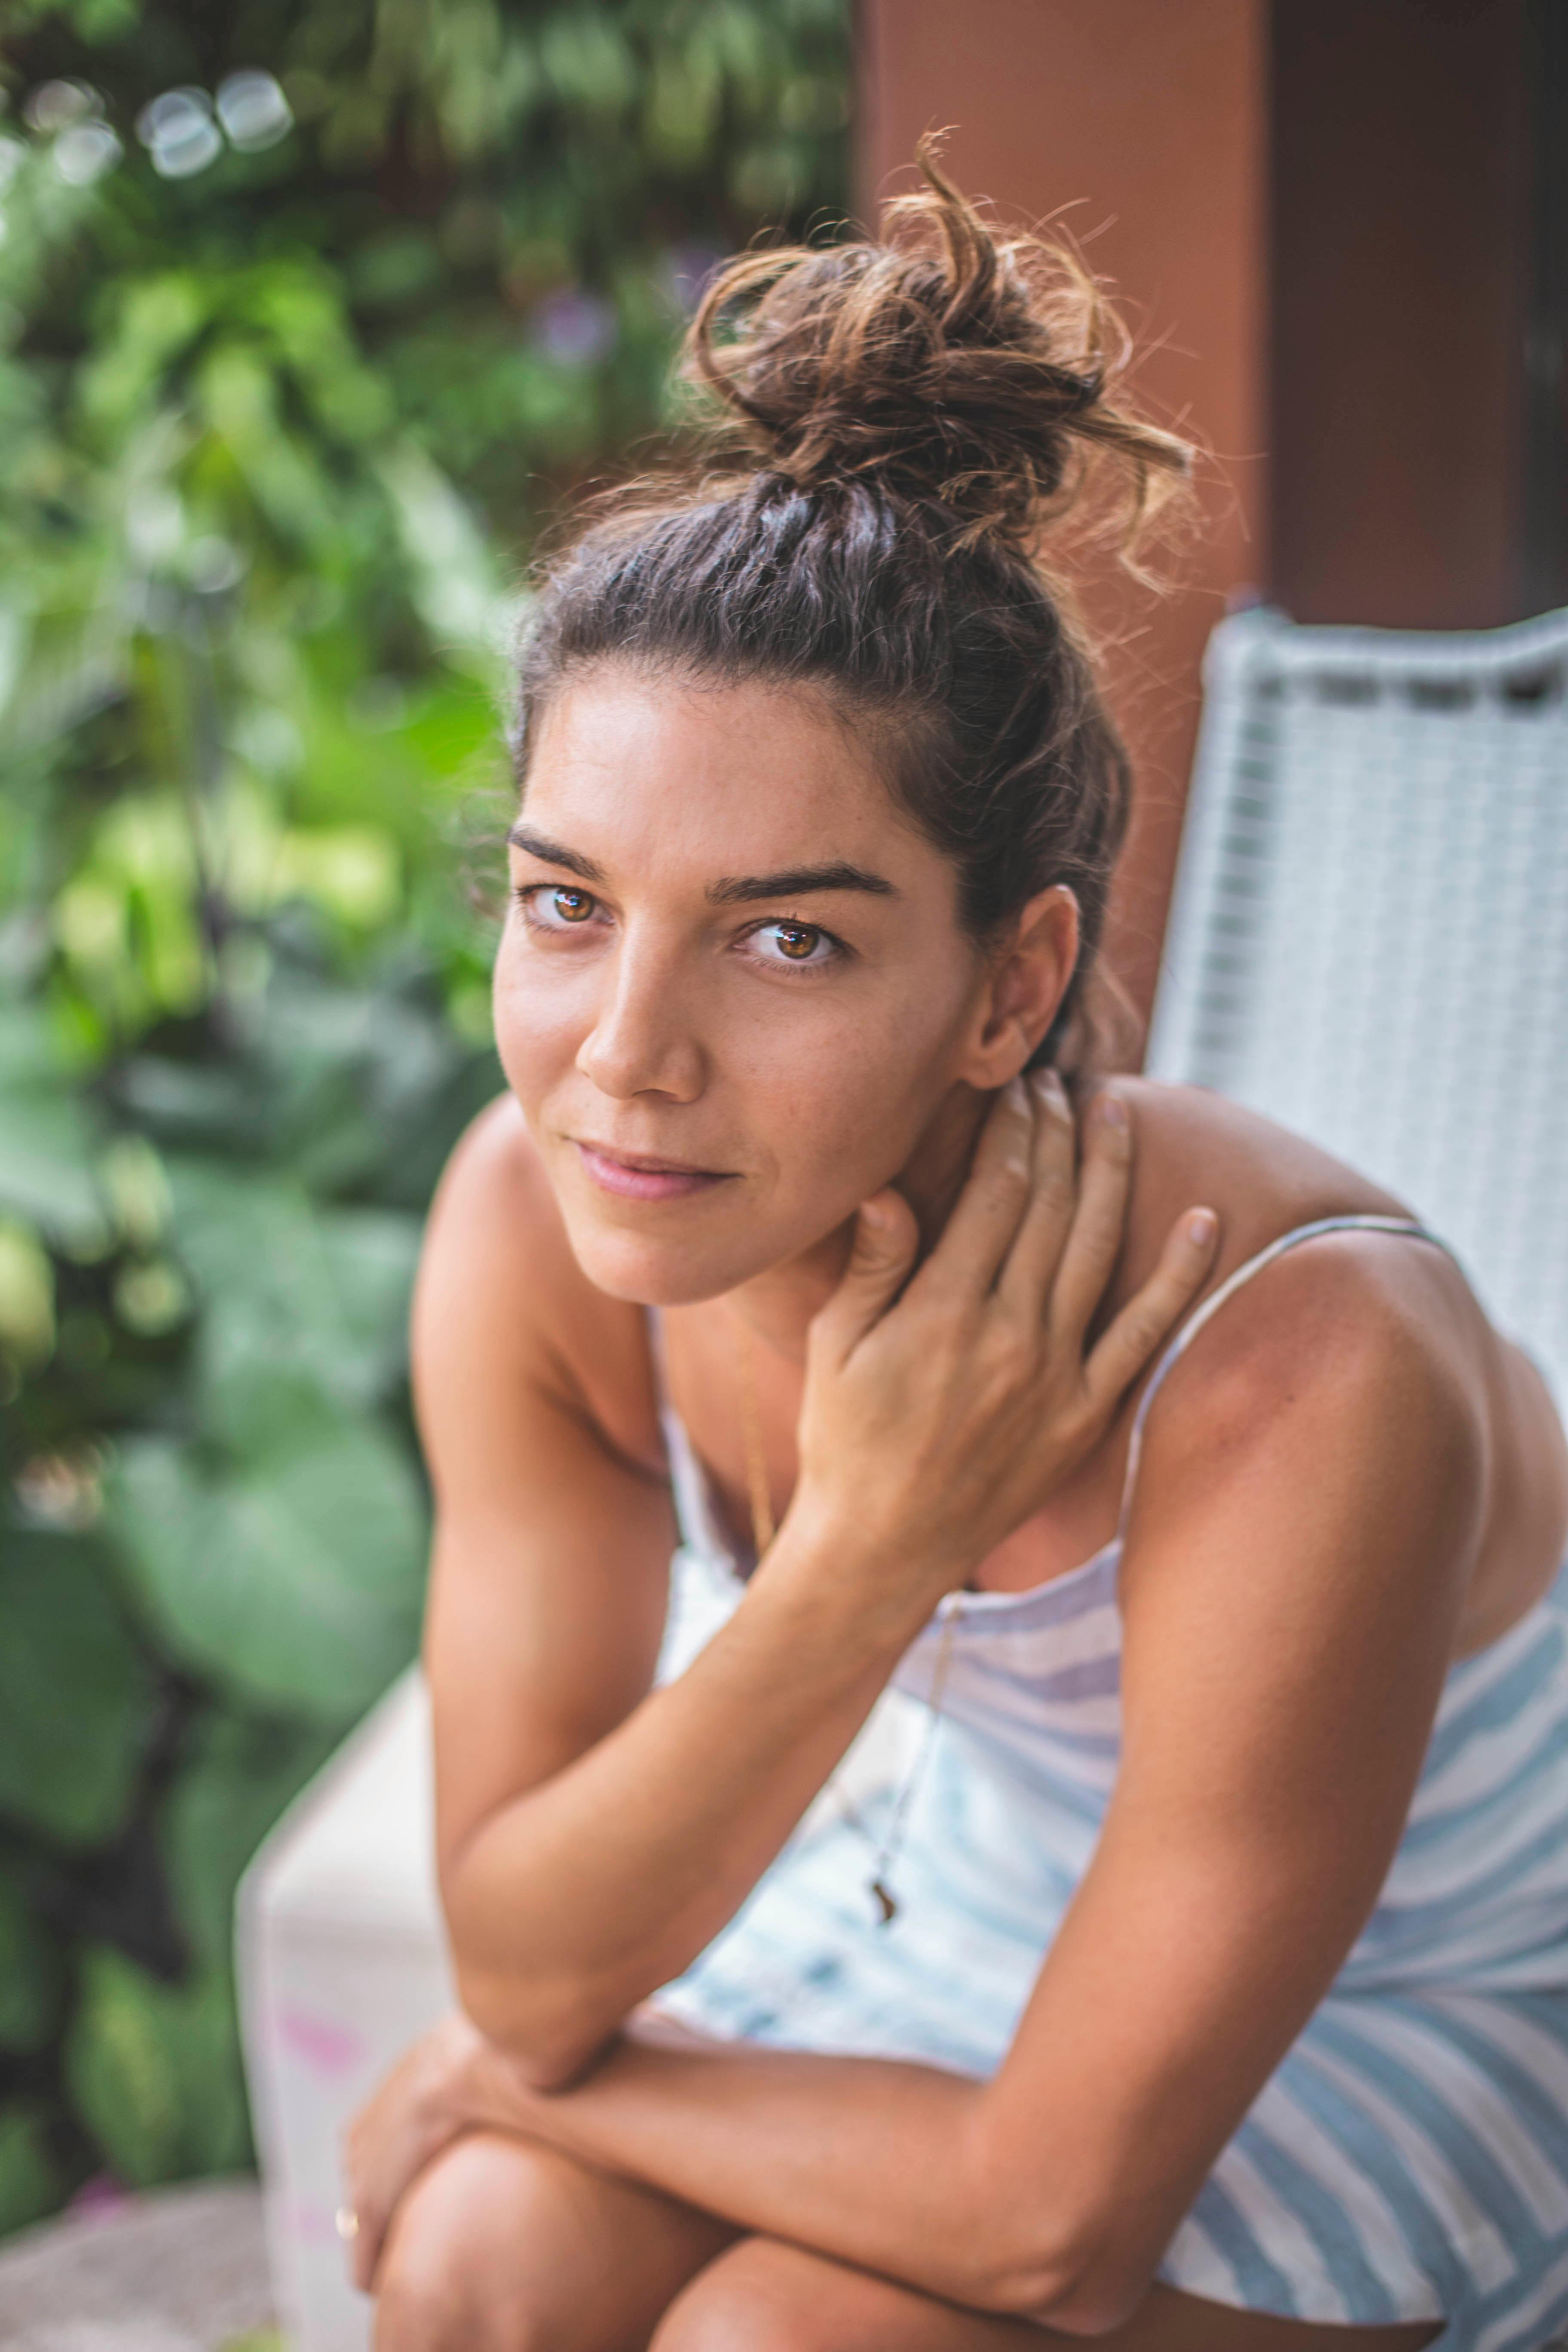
x,y
549,1572
1309,1508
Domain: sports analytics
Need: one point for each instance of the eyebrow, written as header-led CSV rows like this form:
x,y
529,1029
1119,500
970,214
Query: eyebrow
x,y
554,853
796,881
730,889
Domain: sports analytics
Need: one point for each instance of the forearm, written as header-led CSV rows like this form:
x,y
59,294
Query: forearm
x,y
877,2163
574,1903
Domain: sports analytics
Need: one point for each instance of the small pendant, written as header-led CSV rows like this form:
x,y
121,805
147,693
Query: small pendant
x,y
886,1903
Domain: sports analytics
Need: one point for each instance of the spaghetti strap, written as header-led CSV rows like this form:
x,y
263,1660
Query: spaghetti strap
x,y
658,1351
1228,1287
695,1512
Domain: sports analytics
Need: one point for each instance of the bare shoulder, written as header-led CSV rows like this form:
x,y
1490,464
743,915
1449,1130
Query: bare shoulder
x,y
1336,1310
1357,1359
1196,1146
501,1300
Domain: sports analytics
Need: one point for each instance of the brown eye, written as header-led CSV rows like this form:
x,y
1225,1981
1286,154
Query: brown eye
x,y
796,940
806,945
571,906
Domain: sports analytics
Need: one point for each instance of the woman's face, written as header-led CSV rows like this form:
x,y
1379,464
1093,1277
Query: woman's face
x,y
732,993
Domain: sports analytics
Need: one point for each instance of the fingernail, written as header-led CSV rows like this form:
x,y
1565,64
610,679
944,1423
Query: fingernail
x,y
1112,1110
1202,1225
876,1216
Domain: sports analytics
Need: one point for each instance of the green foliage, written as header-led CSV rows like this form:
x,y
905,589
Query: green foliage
x,y
290,369
75,1696
45,1142
30,2181
212,1560
29,1971
153,2070
294,1580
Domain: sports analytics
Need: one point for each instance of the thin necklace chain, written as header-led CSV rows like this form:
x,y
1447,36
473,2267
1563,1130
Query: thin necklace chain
x,y
763,1529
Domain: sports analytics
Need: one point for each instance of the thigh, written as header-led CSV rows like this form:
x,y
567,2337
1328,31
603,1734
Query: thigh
x,y
502,2246
776,2298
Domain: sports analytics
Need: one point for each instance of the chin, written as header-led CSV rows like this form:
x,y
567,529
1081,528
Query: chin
x,y
650,1269
650,1262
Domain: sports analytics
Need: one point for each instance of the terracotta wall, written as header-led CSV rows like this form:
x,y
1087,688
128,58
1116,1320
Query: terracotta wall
x,y
1147,117
1400,247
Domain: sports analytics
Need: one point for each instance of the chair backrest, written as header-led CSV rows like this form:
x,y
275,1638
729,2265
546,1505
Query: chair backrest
x,y
1369,937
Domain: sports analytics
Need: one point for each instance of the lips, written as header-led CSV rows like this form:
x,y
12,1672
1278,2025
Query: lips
x,y
637,1176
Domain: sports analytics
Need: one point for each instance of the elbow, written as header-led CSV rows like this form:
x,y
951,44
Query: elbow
x,y
548,2036
1037,2258
1093,2303
551,2024
1090,2290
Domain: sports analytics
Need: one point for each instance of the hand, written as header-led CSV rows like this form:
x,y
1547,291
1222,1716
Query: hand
x,y
938,1417
417,2111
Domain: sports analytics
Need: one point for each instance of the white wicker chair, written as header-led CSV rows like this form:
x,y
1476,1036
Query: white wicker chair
x,y
1369,938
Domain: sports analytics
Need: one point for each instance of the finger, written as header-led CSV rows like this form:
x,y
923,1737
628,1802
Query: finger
x,y
375,2249
365,2248
887,1236
1098,1227
370,2242
1048,1219
1152,1314
986,1218
362,2250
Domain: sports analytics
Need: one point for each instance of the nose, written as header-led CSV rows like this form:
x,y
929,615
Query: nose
x,y
642,1042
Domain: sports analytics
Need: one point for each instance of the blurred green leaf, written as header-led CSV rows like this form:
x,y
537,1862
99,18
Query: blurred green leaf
x,y
30,2182
26,1293
45,1136
30,1975
301,1301
154,2071
77,1695
294,1580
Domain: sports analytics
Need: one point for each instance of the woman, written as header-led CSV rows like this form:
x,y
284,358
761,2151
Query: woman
x,y
1204,1979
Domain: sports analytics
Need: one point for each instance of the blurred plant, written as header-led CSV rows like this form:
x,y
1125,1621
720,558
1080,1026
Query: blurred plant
x,y
212,1557
305,307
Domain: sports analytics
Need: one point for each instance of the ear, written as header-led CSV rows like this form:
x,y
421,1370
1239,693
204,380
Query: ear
x,y
1028,976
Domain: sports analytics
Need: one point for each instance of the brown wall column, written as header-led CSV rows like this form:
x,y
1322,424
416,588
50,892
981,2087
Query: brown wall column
x,y
1400,251
1148,117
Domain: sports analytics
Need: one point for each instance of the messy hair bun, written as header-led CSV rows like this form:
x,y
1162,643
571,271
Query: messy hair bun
x,y
902,438
943,365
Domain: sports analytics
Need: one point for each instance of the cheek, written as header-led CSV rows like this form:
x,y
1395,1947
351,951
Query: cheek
x,y
843,1115
537,1028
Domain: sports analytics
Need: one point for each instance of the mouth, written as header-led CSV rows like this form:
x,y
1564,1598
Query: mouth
x,y
638,1176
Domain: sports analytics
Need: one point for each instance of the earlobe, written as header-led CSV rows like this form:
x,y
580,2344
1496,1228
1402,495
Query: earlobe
x,y
1031,972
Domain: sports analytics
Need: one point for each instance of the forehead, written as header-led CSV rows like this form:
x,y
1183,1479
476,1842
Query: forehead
x,y
664,773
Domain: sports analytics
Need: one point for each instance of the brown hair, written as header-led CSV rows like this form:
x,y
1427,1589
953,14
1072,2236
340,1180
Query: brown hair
x,y
905,428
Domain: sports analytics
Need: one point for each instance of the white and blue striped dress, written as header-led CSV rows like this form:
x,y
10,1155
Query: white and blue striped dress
x,y
1408,2160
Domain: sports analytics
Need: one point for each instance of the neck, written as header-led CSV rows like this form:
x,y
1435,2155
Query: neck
x,y
778,1303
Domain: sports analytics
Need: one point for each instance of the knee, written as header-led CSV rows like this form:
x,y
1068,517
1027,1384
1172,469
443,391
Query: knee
x,y
724,2319
748,2297
421,2299
448,2280
424,2299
